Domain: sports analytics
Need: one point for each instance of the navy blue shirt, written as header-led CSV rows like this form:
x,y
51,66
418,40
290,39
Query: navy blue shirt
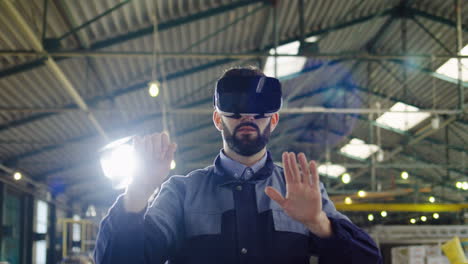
x,y
211,216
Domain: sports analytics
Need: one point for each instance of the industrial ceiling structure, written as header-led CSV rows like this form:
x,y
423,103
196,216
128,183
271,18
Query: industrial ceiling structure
x,y
74,76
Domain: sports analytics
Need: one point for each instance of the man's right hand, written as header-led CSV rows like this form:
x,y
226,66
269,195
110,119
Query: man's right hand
x,y
155,153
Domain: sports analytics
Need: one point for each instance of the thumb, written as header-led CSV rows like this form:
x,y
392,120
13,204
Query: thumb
x,y
275,195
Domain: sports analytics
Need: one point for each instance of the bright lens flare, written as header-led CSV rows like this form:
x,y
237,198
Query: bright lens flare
x,y
361,193
383,213
465,186
346,178
404,175
17,176
153,89
119,165
348,200
173,164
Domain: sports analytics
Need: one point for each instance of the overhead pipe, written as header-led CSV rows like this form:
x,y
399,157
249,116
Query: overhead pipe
x,y
221,55
202,110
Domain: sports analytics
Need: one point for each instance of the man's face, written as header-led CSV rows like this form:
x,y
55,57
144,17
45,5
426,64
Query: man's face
x,y
246,136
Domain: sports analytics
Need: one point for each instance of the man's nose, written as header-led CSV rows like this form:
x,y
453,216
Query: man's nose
x,y
247,118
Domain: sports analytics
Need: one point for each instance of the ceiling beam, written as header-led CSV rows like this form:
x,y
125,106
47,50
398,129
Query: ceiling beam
x,y
137,34
435,18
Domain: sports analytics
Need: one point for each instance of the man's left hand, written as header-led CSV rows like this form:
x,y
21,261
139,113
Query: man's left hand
x,y
303,201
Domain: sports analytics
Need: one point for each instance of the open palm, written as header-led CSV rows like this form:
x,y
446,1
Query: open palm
x,y
303,201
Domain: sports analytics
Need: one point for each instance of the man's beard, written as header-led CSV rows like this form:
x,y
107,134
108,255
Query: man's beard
x,y
246,144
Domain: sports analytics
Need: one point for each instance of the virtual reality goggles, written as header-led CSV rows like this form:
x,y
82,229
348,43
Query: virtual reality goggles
x,y
248,95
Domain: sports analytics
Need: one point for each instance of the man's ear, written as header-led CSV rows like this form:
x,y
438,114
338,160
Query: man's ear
x,y
217,120
274,121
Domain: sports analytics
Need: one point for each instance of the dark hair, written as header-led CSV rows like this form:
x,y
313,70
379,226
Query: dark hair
x,y
243,71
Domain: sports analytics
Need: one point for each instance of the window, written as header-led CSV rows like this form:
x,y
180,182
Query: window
x,y
286,65
40,227
450,68
358,149
402,117
76,234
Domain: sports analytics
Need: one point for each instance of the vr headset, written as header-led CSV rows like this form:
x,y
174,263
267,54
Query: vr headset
x,y
248,95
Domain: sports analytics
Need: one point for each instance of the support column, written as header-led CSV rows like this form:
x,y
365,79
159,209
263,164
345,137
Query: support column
x,y
2,193
461,89
51,236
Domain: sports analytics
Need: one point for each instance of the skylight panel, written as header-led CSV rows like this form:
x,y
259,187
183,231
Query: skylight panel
x,y
395,118
331,170
357,148
286,65
311,39
450,68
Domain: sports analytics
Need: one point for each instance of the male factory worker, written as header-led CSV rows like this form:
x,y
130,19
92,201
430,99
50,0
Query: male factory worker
x,y
243,209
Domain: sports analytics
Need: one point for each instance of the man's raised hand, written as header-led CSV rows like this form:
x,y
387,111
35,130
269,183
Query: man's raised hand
x,y
303,201
155,153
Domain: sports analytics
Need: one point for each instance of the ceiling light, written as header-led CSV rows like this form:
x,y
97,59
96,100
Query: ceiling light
x,y
383,213
402,116
404,175
348,200
331,170
435,216
173,164
432,199
370,217
91,211
423,218
459,185
17,176
465,186
358,149
412,220
361,193
346,178
153,88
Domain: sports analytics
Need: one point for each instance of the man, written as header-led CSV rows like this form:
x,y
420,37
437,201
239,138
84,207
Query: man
x,y
243,209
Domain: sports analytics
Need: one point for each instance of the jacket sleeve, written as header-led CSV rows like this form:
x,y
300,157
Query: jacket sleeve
x,y
348,244
148,237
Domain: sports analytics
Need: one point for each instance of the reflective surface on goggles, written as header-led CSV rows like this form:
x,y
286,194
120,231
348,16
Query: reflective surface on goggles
x,y
238,116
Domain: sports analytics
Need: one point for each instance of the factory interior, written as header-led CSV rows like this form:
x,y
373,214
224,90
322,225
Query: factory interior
x,y
375,91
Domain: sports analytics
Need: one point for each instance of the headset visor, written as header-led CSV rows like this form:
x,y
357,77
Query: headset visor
x,y
248,95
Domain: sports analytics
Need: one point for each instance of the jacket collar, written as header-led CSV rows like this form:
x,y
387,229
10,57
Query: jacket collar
x,y
222,177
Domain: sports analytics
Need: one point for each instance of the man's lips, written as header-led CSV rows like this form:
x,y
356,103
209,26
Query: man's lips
x,y
246,129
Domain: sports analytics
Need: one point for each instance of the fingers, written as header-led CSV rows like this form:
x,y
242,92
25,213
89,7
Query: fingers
x,y
314,177
304,167
156,146
294,168
164,145
287,173
306,172
291,170
169,155
275,195
155,141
